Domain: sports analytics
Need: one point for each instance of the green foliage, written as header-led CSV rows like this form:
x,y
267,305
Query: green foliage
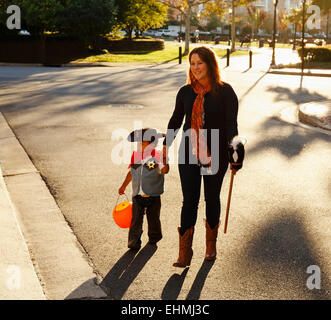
x,y
83,19
140,15
4,31
316,54
246,30
86,19
213,22
40,15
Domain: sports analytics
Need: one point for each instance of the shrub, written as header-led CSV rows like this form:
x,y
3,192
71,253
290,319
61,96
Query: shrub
x,y
317,54
126,45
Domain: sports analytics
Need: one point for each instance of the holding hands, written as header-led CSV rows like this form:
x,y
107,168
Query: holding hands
x,y
165,160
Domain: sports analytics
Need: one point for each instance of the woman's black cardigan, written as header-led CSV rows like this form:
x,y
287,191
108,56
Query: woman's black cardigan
x,y
221,110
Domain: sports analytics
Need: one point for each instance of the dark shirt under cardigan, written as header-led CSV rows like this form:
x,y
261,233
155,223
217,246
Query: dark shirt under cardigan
x,y
221,112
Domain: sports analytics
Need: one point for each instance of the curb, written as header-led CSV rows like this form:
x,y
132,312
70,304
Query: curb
x,y
316,119
291,115
19,279
61,264
298,73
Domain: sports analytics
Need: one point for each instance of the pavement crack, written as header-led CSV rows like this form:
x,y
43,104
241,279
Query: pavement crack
x,y
19,174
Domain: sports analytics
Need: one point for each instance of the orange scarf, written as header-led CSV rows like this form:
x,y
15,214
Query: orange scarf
x,y
199,141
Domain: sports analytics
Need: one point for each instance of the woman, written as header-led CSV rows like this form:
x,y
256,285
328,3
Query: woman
x,y
210,107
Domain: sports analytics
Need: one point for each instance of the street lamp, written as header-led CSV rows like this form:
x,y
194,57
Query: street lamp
x,y
273,62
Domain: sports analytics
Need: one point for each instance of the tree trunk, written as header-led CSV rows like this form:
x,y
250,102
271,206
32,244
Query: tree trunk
x,y
295,36
327,25
233,29
129,33
187,29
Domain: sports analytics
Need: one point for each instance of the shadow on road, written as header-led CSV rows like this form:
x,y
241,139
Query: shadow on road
x,y
173,286
199,281
280,253
298,96
126,269
289,141
252,87
44,89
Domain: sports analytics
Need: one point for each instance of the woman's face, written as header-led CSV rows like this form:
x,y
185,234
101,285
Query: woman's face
x,y
198,67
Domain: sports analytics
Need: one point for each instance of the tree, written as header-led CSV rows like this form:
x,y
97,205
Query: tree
x,y
185,7
282,26
294,17
213,22
140,15
220,7
83,19
4,4
256,18
86,19
40,15
325,6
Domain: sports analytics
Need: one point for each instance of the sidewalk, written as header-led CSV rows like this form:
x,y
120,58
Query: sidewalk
x,y
306,72
18,280
41,258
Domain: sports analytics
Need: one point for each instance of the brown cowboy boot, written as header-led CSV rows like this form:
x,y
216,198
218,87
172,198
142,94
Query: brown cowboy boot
x,y
211,236
185,248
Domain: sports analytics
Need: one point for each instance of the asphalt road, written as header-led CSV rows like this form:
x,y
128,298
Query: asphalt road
x,y
280,210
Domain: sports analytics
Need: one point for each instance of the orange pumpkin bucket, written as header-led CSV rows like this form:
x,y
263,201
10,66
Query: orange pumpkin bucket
x,y
122,214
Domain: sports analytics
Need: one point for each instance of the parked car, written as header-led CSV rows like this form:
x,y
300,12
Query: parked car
x,y
298,41
320,42
152,33
24,33
321,35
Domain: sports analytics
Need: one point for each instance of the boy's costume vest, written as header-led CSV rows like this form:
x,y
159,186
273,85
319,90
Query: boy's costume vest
x,y
146,174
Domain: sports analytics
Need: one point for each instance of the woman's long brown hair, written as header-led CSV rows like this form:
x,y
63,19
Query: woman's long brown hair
x,y
208,56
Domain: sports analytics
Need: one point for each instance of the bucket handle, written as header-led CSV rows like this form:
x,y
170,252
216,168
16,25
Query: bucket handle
x,y
119,197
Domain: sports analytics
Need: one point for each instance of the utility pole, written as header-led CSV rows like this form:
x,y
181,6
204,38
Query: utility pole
x,y
233,29
273,62
303,37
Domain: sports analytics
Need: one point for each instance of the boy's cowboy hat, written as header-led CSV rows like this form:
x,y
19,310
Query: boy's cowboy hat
x,y
146,134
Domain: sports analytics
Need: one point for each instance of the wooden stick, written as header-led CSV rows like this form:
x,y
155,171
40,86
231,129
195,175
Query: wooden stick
x,y
233,172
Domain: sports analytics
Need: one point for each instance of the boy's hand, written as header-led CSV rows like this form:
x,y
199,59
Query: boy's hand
x,y
165,169
121,190
165,158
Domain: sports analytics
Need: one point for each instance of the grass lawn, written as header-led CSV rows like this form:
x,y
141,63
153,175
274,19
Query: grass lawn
x,y
170,53
252,44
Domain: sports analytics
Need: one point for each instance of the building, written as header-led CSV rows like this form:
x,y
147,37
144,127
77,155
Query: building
x,y
268,5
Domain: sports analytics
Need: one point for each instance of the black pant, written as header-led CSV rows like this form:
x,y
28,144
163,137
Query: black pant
x,y
152,207
190,177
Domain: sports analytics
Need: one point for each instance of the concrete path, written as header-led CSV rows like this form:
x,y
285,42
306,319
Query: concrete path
x,y
18,279
59,261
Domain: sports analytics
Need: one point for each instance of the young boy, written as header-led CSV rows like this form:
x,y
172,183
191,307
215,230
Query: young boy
x,y
147,176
